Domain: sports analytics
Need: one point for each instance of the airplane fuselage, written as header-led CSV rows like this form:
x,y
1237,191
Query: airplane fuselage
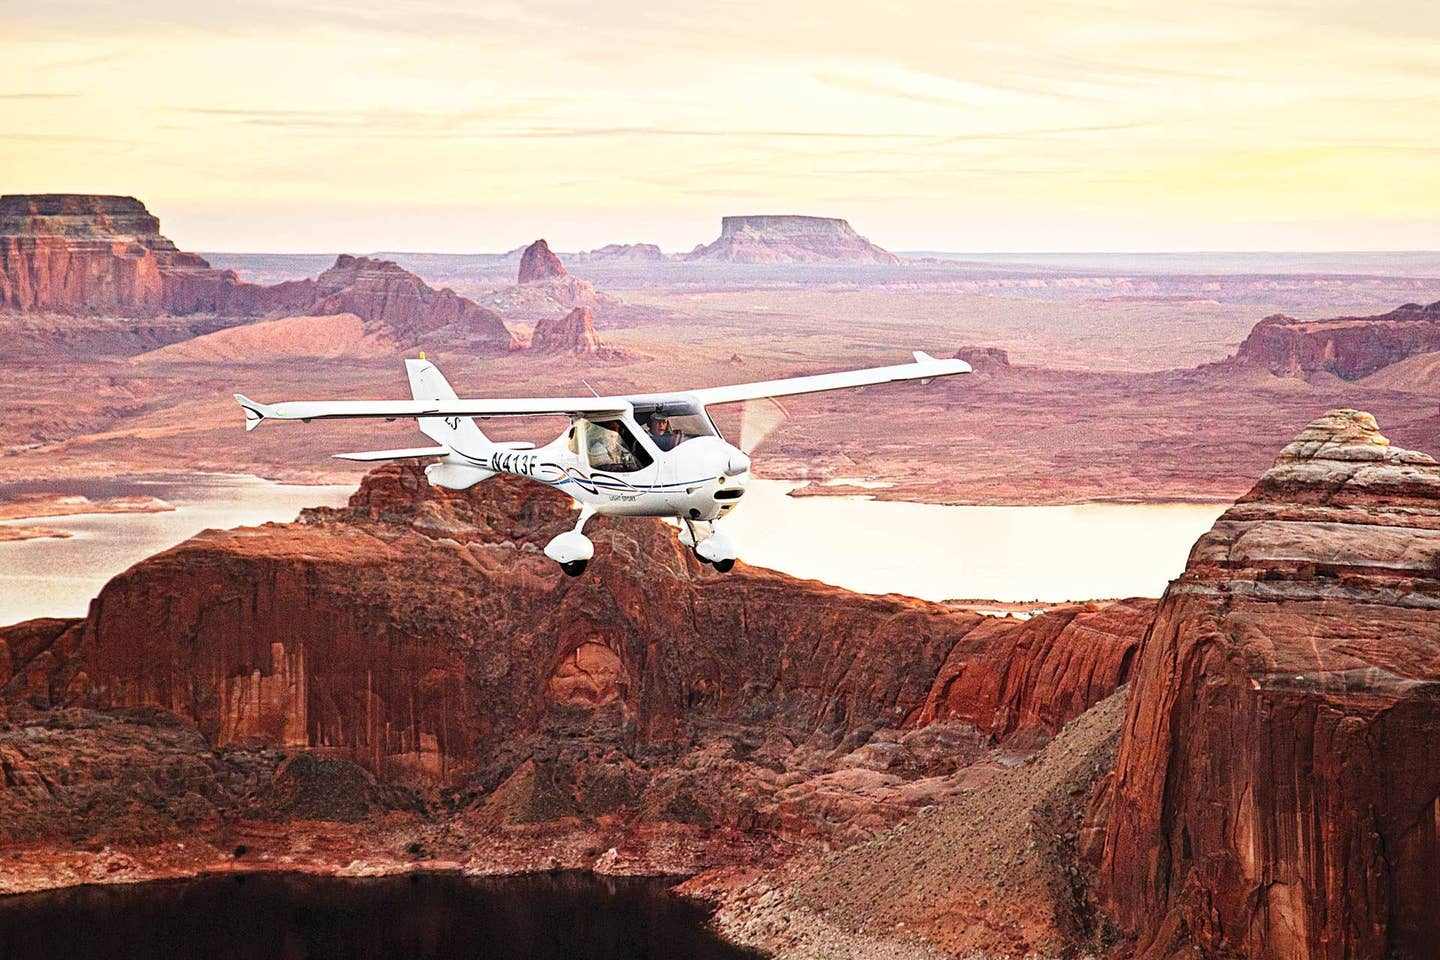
x,y
701,479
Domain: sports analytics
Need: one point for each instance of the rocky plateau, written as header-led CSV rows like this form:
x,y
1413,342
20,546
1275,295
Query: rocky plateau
x,y
790,239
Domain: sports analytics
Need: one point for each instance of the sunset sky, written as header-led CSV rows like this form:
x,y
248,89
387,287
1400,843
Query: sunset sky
x,y
1019,125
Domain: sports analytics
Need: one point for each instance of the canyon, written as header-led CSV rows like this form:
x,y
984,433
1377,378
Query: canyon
x,y
1243,768
1265,787
655,717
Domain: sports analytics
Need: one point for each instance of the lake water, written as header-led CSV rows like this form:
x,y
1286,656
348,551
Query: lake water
x,y
56,578
424,917
1016,554
1013,554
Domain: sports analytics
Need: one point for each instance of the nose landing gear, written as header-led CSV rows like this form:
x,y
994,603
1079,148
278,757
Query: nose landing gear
x,y
710,546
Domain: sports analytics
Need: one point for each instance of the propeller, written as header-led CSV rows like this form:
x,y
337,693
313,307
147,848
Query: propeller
x,y
758,419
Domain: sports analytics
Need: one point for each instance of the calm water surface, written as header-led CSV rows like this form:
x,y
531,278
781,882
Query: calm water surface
x,y
56,578
1081,552
293,917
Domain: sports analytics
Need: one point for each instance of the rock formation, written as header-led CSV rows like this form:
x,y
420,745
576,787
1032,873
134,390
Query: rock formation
x,y
1279,770
73,253
638,252
82,254
538,263
572,333
653,695
545,291
383,293
984,359
791,239
1348,347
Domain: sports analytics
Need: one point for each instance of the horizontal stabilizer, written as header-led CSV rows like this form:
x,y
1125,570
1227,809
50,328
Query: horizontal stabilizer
x,y
367,455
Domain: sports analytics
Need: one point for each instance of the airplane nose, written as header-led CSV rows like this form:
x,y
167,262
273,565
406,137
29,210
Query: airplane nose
x,y
737,464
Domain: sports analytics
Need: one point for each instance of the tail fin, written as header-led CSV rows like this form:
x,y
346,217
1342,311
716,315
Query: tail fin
x,y
426,383
254,412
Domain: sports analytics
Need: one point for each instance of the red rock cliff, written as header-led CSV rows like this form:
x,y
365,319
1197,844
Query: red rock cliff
x,y
1349,347
1279,770
423,634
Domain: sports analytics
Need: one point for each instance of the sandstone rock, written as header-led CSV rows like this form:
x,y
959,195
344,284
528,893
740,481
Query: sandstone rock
x,y
73,253
983,358
637,252
790,239
652,690
394,299
538,263
1280,763
1348,347
572,333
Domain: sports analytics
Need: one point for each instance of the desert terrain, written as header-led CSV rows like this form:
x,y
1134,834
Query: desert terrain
x,y
1246,765
1096,382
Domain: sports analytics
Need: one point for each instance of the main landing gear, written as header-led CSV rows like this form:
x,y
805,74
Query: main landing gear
x,y
710,546
572,549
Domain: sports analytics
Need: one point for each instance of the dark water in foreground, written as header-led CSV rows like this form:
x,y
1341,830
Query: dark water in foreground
x,y
295,917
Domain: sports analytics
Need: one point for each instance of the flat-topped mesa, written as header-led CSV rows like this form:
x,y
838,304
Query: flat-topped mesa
x,y
539,263
640,252
77,215
1348,347
791,239
1279,767
572,333
89,254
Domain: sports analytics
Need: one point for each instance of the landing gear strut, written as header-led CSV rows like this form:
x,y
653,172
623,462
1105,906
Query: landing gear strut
x,y
572,549
715,549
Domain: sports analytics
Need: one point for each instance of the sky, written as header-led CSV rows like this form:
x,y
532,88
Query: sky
x,y
1022,125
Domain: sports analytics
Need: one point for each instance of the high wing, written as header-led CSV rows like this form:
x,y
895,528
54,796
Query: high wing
x,y
924,368
307,410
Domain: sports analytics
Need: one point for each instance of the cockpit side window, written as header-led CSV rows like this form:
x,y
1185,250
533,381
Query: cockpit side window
x,y
671,424
609,445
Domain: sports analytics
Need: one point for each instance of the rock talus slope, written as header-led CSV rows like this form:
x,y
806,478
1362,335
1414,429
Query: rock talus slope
x,y
1278,779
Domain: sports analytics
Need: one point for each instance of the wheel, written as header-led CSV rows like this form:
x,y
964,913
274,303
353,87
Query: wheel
x,y
724,565
575,567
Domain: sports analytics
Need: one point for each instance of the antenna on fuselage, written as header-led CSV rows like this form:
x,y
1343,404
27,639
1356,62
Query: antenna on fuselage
x,y
588,387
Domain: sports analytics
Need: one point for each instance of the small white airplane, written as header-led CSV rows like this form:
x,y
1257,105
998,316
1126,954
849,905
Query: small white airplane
x,y
647,455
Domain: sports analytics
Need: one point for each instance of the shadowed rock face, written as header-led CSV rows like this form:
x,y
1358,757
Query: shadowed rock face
x,y
1348,347
790,239
1279,771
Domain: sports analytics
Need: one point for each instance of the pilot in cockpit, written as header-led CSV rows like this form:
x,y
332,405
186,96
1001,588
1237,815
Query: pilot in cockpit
x,y
659,428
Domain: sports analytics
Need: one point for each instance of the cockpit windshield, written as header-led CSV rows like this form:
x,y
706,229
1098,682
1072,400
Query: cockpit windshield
x,y
671,423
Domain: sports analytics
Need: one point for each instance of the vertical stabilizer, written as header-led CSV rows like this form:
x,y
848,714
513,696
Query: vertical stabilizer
x,y
458,433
